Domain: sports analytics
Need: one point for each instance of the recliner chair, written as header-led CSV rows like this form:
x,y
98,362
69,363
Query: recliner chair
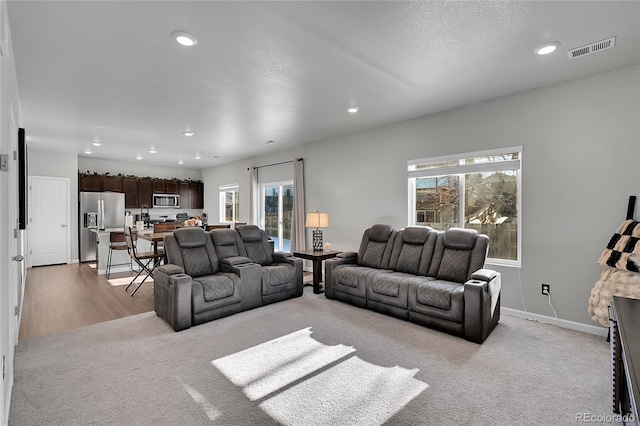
x,y
197,286
281,271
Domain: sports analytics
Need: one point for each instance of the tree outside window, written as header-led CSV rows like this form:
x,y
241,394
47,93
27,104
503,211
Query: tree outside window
x,y
479,191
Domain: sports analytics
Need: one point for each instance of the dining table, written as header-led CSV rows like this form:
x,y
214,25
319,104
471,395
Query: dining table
x,y
154,237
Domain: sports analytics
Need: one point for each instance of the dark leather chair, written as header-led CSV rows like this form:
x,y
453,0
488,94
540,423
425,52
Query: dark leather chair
x,y
281,271
428,277
197,285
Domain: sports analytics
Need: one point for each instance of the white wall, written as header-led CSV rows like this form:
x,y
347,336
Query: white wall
x,y
9,101
581,152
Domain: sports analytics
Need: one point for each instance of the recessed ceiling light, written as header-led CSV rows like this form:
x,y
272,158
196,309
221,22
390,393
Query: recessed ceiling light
x,y
180,161
139,157
188,133
215,157
269,142
547,48
185,39
197,157
96,142
88,151
152,150
353,110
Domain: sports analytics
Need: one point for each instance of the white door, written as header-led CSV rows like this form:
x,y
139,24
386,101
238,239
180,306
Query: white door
x,y
49,220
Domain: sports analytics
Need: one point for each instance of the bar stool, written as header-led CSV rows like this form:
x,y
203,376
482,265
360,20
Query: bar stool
x,y
117,241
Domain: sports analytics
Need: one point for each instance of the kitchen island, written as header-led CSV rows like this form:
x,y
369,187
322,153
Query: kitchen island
x,y
120,260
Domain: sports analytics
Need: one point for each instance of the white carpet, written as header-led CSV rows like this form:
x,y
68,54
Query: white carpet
x,y
308,361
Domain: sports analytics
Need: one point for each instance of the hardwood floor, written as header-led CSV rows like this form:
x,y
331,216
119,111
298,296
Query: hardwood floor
x,y
64,297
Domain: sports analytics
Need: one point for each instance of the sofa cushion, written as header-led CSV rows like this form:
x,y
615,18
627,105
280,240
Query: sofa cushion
x,y
190,237
225,242
436,294
438,299
380,233
415,235
216,287
196,262
460,239
454,265
277,278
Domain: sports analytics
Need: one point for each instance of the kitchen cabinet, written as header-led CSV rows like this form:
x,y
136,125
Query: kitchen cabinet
x,y
145,192
196,195
158,186
112,183
130,189
185,197
171,187
91,183
139,191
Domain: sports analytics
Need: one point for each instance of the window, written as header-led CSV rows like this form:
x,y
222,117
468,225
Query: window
x,y
277,213
229,203
478,190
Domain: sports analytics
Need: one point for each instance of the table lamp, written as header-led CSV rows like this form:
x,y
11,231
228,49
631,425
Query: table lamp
x,y
317,220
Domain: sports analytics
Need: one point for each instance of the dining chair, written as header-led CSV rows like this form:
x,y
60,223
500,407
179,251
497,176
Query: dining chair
x,y
117,241
147,261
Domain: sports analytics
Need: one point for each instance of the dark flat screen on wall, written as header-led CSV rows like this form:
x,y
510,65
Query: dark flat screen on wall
x,y
23,194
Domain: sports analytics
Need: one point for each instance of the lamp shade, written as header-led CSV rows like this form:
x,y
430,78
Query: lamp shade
x,y
317,220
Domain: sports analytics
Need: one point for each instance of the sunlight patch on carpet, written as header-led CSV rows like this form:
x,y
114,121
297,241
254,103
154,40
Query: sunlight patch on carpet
x,y
210,410
279,362
303,381
126,280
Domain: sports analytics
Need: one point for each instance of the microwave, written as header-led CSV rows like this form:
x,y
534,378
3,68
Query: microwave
x,y
166,200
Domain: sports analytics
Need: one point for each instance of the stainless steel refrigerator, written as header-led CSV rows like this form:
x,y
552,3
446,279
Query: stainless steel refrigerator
x,y
98,211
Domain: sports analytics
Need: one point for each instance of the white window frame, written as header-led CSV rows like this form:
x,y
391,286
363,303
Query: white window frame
x,y
233,188
462,169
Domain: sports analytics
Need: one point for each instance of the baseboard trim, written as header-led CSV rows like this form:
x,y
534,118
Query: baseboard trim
x,y
571,325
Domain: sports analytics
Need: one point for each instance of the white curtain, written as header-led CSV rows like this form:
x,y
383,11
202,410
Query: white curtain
x,y
297,222
254,200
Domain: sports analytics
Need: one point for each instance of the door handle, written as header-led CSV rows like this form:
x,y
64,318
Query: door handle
x,y
18,258
63,225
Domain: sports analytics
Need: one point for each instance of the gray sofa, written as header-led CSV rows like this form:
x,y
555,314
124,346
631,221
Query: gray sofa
x,y
432,278
213,274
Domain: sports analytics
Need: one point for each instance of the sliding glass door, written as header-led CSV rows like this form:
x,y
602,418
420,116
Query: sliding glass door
x,y
277,212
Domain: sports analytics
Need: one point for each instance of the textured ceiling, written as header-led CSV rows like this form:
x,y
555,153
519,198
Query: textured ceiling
x,y
283,71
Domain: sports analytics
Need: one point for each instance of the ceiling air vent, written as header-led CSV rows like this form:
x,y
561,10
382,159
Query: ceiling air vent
x,y
592,48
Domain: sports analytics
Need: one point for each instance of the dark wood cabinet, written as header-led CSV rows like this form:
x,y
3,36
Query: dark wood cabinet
x,y
185,196
171,187
112,183
158,186
139,191
196,195
130,189
91,183
145,192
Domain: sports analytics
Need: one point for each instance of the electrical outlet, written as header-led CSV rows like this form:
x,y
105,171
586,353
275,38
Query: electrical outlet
x,y
546,289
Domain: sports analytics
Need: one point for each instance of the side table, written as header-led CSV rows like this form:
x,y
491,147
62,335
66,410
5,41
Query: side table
x,y
316,257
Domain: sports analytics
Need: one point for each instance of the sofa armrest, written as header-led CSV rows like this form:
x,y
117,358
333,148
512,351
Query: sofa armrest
x,y
169,269
345,258
298,264
235,260
481,304
172,296
347,255
280,256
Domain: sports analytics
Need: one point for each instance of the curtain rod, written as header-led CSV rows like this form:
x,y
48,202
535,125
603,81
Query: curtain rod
x,y
275,164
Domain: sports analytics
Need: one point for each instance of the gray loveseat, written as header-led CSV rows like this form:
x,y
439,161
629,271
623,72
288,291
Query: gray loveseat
x,y
213,274
425,276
